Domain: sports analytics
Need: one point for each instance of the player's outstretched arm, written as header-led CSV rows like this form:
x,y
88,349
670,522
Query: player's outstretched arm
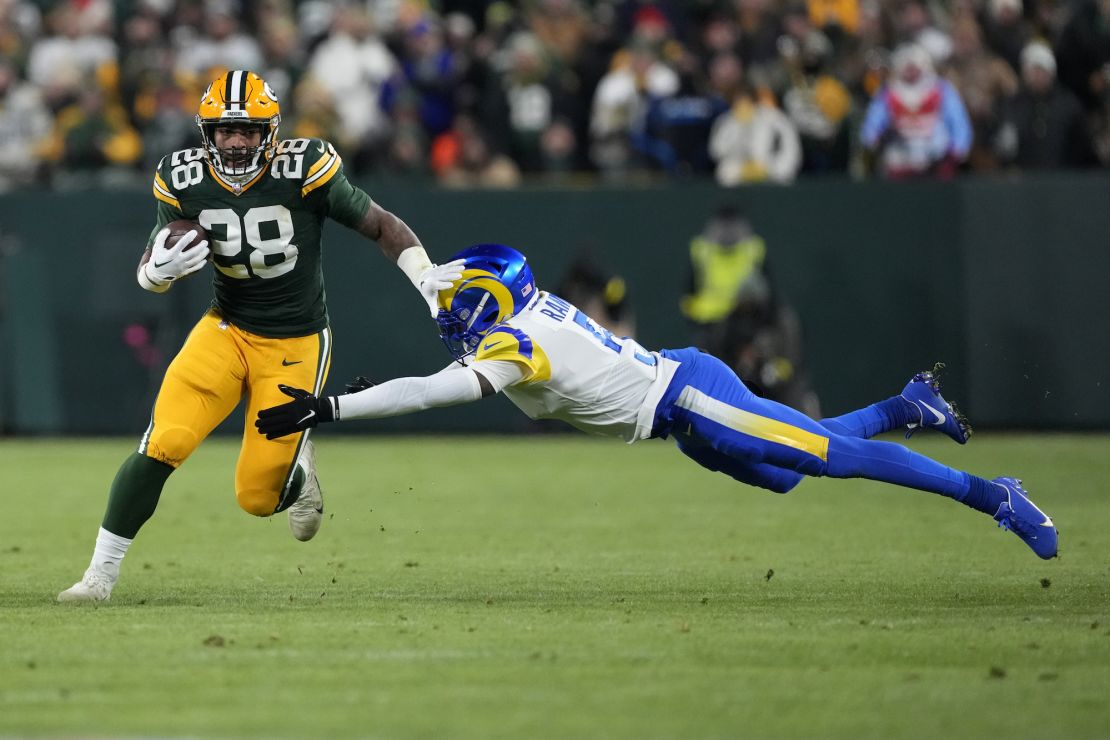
x,y
393,398
398,242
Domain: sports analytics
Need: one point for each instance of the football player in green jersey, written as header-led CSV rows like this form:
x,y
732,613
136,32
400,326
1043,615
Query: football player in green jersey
x,y
263,202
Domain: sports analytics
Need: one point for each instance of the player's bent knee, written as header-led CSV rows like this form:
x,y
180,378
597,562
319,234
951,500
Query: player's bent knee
x,y
172,446
256,501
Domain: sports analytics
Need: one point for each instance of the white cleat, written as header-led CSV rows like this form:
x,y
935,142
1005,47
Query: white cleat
x,y
307,512
96,585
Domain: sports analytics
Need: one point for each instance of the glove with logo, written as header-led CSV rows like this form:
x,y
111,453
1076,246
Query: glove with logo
x,y
169,263
305,411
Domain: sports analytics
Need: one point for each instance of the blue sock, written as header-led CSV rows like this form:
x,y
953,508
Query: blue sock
x,y
984,496
893,463
884,416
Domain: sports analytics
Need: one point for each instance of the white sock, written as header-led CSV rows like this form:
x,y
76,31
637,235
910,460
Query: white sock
x,y
108,553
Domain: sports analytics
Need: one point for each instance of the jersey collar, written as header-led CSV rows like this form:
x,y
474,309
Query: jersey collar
x,y
235,188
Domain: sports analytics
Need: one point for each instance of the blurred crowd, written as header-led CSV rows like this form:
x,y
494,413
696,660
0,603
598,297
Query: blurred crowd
x,y
490,93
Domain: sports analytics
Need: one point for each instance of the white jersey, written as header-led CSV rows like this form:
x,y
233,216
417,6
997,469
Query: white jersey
x,y
576,371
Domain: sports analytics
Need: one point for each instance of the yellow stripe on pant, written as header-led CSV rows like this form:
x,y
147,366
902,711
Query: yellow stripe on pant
x,y
745,422
219,364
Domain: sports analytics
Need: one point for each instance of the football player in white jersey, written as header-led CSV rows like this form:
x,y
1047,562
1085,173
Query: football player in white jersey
x,y
554,362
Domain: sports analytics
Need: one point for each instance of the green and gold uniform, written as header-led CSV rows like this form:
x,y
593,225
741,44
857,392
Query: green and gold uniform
x,y
268,323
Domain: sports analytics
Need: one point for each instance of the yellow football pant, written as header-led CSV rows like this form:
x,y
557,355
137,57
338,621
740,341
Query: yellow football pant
x,y
216,367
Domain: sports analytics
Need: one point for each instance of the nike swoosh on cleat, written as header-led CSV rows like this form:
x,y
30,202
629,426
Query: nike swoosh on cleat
x,y
940,416
1047,522
306,417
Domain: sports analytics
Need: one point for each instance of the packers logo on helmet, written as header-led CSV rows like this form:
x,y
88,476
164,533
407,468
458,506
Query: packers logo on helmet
x,y
496,284
239,97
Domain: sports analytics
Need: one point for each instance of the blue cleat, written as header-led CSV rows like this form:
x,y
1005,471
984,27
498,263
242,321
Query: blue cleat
x,y
1021,516
923,393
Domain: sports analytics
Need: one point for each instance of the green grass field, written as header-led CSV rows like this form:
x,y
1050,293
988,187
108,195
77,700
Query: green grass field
x,y
557,586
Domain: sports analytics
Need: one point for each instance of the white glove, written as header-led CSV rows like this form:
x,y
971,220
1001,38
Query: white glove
x,y
167,264
437,278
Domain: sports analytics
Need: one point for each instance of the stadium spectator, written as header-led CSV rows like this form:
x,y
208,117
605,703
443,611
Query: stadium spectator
x,y
164,112
523,99
71,46
916,122
753,141
620,105
1005,30
353,65
25,124
430,69
817,104
93,136
408,153
219,44
616,88
313,113
1083,66
835,17
1083,53
916,25
760,30
553,362
283,57
1044,126
20,25
983,80
463,157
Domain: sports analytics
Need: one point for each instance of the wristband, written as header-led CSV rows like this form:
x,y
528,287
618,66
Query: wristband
x,y
147,283
413,262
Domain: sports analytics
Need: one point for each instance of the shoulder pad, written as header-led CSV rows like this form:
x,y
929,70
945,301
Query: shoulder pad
x,y
312,161
177,172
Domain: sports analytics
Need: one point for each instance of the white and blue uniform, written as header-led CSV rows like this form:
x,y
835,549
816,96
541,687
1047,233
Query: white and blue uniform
x,y
554,362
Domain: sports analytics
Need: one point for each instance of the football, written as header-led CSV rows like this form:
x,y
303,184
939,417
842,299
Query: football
x,y
180,228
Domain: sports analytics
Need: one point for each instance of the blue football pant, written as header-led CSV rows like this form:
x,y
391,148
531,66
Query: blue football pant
x,y
718,422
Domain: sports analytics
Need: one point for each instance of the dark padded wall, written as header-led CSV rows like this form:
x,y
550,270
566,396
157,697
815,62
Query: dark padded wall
x,y
1001,279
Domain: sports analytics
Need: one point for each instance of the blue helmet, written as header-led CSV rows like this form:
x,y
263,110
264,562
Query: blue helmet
x,y
496,284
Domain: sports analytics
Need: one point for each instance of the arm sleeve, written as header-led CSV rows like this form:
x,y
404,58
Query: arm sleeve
x,y
406,395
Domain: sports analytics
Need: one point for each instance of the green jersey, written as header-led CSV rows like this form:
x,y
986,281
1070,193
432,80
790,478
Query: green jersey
x,y
265,235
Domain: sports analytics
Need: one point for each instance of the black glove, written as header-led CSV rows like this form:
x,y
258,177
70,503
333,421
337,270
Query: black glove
x,y
360,383
303,412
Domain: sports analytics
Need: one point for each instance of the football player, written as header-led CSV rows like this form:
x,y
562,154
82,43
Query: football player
x,y
553,361
263,202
